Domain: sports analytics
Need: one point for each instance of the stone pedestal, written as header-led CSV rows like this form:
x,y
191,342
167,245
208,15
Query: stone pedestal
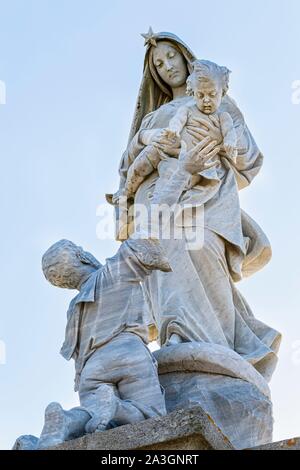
x,y
190,429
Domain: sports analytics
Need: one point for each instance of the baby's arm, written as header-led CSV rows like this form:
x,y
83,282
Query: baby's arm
x,y
229,135
178,121
175,127
149,158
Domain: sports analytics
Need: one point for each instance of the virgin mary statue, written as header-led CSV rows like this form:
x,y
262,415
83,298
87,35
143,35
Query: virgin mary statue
x,y
214,352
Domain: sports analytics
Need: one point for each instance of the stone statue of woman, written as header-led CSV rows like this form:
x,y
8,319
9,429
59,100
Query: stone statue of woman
x,y
197,308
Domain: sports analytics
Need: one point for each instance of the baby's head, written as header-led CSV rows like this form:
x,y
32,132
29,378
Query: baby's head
x,y
67,265
208,83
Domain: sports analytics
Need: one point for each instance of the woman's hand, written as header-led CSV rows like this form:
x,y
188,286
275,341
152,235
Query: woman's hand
x,y
200,128
195,160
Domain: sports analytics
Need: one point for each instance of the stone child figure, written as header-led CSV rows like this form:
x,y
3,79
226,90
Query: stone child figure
x,y
106,335
207,84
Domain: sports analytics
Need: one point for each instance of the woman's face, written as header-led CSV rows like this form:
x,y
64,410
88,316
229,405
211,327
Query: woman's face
x,y
170,64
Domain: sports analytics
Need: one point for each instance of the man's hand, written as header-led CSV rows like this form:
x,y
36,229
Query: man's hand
x,y
196,159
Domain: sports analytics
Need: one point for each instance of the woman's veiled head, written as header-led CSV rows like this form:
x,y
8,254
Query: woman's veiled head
x,y
169,64
156,88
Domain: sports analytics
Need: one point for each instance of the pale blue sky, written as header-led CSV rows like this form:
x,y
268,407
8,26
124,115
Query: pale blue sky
x,y
72,70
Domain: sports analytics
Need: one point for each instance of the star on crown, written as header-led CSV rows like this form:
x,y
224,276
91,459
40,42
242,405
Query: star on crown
x,y
149,38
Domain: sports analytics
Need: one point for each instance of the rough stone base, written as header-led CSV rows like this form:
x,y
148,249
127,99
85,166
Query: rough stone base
x,y
190,429
289,444
186,429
